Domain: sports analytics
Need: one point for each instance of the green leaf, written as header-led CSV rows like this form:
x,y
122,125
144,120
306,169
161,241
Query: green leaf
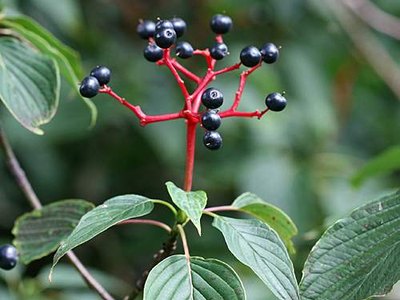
x,y
38,233
258,246
358,256
384,163
269,214
66,58
29,84
173,278
192,203
102,217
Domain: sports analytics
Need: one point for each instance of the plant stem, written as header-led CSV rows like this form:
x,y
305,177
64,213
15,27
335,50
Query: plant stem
x,y
190,152
149,222
26,187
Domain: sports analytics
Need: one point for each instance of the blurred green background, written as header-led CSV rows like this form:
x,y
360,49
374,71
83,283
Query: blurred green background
x,y
340,114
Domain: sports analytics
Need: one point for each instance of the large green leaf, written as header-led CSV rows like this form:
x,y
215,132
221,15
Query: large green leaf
x,y
258,246
29,84
66,58
384,163
101,218
270,214
38,233
192,203
205,279
358,256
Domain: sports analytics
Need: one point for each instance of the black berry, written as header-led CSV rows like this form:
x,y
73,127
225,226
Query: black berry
x,y
270,53
146,29
103,74
250,56
152,52
8,257
218,51
212,98
212,140
275,102
220,24
165,38
179,26
211,120
184,50
89,87
163,24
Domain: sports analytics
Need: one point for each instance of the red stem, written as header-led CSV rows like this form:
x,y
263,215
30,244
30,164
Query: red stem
x,y
190,151
185,71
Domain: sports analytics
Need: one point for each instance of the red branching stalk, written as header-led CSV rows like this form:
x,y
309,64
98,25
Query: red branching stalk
x,y
192,102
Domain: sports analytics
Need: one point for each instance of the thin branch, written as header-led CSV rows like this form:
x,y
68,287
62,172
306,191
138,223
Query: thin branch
x,y
368,46
221,208
375,17
147,221
26,187
187,254
185,71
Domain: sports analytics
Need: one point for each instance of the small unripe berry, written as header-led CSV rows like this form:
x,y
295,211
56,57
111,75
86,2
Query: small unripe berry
x,y
212,140
184,50
211,120
275,102
179,26
250,56
102,74
212,98
89,87
8,257
146,29
270,53
163,24
152,52
165,38
218,51
221,24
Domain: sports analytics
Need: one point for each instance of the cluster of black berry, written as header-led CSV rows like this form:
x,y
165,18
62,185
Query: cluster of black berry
x,y
212,99
91,84
8,257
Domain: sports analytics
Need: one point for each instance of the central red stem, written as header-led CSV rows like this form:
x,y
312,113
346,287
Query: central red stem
x,y
190,151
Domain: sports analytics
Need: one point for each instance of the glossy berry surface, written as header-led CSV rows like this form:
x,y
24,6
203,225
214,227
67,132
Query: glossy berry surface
x,y
221,24
212,140
179,26
102,74
163,24
275,102
270,53
211,120
165,38
152,52
250,56
146,29
218,51
212,98
89,87
8,257
184,50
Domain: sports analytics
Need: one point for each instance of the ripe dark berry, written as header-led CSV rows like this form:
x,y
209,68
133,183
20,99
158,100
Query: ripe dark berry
x,y
163,24
270,53
220,24
218,51
211,120
152,52
89,87
146,29
165,38
212,140
8,257
212,98
179,26
184,50
275,102
103,74
250,56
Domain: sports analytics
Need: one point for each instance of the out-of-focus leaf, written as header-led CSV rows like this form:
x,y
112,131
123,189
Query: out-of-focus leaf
x,y
38,233
384,163
29,84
